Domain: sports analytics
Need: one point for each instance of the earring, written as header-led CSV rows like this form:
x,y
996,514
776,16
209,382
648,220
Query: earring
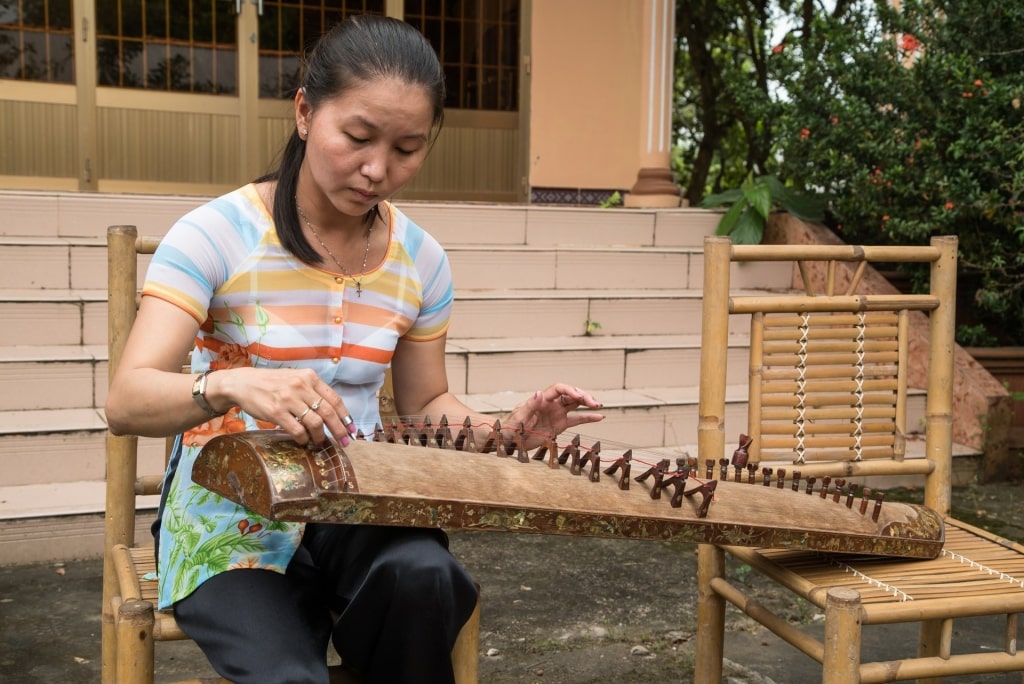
x,y
305,132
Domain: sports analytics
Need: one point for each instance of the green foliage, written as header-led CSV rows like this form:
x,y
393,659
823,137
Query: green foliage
x,y
975,336
912,122
754,201
613,200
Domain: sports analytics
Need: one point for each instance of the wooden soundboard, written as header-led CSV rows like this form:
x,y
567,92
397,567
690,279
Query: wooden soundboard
x,y
420,479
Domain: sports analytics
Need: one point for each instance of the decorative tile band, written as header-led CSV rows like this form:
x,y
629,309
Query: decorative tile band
x,y
572,196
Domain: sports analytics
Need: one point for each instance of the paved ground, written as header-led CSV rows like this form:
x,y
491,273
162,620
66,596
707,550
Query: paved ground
x,y
555,609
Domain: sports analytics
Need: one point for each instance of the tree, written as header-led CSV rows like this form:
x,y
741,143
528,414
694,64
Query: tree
x,y
909,121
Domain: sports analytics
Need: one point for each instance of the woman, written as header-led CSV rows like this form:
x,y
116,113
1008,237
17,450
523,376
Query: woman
x,y
293,295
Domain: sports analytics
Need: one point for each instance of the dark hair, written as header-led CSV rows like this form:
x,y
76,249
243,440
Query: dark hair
x,y
361,49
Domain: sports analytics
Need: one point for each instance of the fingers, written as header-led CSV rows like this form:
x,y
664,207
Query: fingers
x,y
569,397
314,410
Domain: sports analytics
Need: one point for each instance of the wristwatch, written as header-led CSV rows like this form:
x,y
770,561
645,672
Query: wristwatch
x,y
199,394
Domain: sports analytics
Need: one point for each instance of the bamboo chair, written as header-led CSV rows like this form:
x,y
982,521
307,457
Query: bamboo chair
x,y
130,624
828,396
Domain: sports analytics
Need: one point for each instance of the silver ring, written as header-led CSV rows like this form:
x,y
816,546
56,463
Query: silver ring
x,y
303,414
315,406
346,420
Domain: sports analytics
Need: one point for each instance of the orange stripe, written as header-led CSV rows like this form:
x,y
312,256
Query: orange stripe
x,y
348,351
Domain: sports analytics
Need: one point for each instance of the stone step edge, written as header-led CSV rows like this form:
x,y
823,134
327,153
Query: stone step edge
x,y
61,421
474,345
460,246
66,295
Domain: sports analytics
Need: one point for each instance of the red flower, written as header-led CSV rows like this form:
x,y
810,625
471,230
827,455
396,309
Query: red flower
x,y
909,42
777,50
804,133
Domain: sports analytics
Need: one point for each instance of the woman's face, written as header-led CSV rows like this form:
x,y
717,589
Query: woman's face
x,y
364,145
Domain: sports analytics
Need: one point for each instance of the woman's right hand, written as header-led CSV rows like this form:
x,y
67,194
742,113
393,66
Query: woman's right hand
x,y
296,399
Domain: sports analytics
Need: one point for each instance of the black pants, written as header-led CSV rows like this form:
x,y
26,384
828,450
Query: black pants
x,y
399,596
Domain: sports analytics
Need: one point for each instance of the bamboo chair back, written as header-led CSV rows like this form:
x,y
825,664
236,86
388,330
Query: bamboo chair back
x,y
828,388
130,625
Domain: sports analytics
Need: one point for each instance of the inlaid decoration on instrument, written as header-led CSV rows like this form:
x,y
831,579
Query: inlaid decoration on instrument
x,y
413,473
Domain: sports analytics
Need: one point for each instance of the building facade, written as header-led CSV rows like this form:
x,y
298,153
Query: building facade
x,y
555,101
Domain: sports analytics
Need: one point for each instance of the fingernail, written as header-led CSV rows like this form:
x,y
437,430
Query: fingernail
x,y
344,440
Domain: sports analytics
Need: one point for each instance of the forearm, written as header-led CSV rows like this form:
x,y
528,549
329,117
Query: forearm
x,y
155,403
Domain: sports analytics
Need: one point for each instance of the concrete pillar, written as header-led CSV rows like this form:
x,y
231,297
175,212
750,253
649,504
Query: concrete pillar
x,y
655,184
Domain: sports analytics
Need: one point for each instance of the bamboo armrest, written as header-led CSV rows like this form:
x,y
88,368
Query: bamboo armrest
x,y
127,579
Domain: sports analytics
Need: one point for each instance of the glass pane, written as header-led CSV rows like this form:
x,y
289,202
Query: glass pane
x,y
202,70
202,21
180,28
312,25
8,12
432,30
452,77
269,80
291,76
33,60
106,17
489,90
62,63
335,16
156,19
291,37
227,72
452,42
33,14
226,27
157,66
10,53
268,28
179,70
60,15
131,18
133,73
108,62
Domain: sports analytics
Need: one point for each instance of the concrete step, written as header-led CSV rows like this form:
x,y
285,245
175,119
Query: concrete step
x,y
53,460
59,316
596,362
34,377
81,264
75,215
75,376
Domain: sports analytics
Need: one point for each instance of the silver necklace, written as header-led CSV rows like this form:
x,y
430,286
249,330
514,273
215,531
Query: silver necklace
x,y
342,269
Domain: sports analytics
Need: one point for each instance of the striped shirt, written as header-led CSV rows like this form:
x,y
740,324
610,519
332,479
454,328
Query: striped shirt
x,y
258,305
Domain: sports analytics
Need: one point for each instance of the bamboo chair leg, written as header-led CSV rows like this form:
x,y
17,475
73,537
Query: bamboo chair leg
x,y
465,658
710,616
108,645
841,664
934,639
135,658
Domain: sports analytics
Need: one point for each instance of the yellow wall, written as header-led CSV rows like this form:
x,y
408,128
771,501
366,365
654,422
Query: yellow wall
x,y
586,93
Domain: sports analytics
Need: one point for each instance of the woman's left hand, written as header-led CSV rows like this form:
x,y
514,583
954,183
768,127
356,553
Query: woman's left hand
x,y
553,410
